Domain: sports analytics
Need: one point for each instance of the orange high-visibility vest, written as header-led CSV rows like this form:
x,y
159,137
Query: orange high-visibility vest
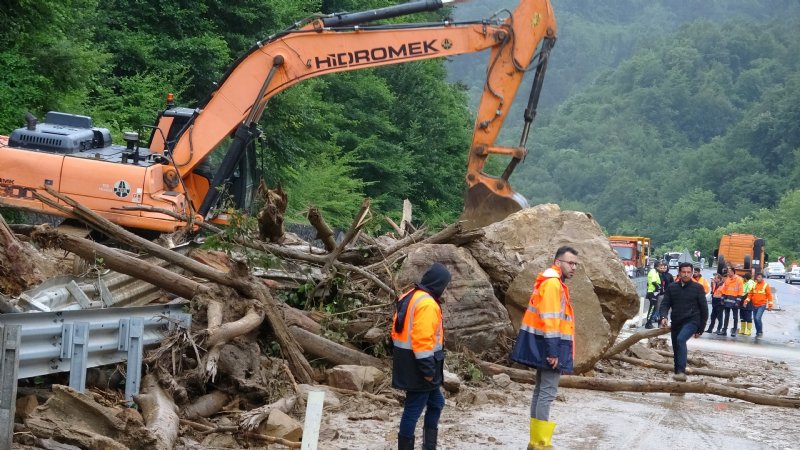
x,y
704,283
422,331
733,287
548,326
761,295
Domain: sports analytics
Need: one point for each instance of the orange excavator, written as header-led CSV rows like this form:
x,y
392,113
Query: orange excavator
x,y
153,186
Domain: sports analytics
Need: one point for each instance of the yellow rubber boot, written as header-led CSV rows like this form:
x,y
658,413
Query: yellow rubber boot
x,y
541,434
742,327
749,329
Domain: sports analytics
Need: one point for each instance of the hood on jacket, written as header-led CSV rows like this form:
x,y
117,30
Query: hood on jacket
x,y
551,272
435,280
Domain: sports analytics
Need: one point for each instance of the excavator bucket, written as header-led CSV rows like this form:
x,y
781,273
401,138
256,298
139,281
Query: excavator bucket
x,y
482,206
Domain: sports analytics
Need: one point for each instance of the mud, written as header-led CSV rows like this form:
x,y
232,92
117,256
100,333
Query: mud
x,y
600,420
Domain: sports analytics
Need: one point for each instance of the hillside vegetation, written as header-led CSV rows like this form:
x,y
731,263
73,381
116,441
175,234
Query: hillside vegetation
x,y
665,118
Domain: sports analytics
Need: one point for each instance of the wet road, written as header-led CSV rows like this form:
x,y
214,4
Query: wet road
x,y
781,340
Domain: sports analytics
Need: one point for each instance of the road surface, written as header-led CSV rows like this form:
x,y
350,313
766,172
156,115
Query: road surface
x,y
599,420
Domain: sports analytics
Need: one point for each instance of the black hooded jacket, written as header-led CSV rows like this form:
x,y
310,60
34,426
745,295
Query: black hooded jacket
x,y
409,372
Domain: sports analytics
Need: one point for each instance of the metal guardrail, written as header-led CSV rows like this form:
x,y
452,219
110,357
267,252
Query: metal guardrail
x,y
641,285
9,361
73,341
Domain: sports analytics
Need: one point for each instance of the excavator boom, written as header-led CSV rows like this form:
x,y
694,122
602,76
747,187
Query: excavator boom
x,y
131,186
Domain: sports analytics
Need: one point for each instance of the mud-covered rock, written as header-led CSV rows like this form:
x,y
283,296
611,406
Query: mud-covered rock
x,y
513,251
473,317
355,378
281,425
452,383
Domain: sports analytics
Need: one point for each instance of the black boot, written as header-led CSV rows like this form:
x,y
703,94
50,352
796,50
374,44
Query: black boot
x,y
404,443
733,332
649,324
429,437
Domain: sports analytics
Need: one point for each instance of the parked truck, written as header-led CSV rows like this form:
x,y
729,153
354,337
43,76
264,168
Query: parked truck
x,y
634,251
744,251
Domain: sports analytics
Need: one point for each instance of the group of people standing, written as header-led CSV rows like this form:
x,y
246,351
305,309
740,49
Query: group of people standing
x,y
741,299
546,335
545,342
684,300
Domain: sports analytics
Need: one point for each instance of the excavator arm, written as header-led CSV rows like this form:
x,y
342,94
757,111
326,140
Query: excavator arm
x,y
340,43
149,187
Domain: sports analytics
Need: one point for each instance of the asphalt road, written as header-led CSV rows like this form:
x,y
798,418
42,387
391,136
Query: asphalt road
x,y
781,340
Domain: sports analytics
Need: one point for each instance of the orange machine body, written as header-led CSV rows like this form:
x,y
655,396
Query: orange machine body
x,y
166,178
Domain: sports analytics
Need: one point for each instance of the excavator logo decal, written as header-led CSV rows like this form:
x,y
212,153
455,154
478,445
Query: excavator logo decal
x,y
122,188
358,57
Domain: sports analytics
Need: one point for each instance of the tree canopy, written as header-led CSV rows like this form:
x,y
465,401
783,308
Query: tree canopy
x,y
662,118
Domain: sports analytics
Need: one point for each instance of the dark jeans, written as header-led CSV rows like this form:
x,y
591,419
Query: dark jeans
x,y
655,305
681,334
716,317
746,315
415,403
735,317
759,313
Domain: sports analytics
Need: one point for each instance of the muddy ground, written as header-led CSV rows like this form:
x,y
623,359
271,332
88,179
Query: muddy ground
x,y
597,420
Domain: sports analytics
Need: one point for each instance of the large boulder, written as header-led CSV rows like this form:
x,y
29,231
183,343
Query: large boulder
x,y
514,251
474,318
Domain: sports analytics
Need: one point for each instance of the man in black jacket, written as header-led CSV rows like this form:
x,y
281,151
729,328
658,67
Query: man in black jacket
x,y
418,356
687,299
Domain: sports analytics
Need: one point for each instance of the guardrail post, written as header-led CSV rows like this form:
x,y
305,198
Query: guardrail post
x,y
131,332
80,356
9,365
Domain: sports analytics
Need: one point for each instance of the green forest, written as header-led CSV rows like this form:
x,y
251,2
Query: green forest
x,y
671,119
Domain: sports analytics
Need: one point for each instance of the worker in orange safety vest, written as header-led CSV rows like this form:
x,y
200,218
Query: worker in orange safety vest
x,y
698,278
418,356
732,293
546,341
761,298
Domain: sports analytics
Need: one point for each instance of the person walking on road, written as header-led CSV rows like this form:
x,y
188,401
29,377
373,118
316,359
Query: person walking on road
x,y
761,299
653,290
716,304
746,311
418,356
546,340
732,290
685,302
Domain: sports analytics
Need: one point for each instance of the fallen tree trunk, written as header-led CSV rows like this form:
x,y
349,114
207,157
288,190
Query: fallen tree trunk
x,y
159,413
333,352
18,263
119,262
250,420
182,286
604,384
324,231
720,373
695,361
634,338
206,405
